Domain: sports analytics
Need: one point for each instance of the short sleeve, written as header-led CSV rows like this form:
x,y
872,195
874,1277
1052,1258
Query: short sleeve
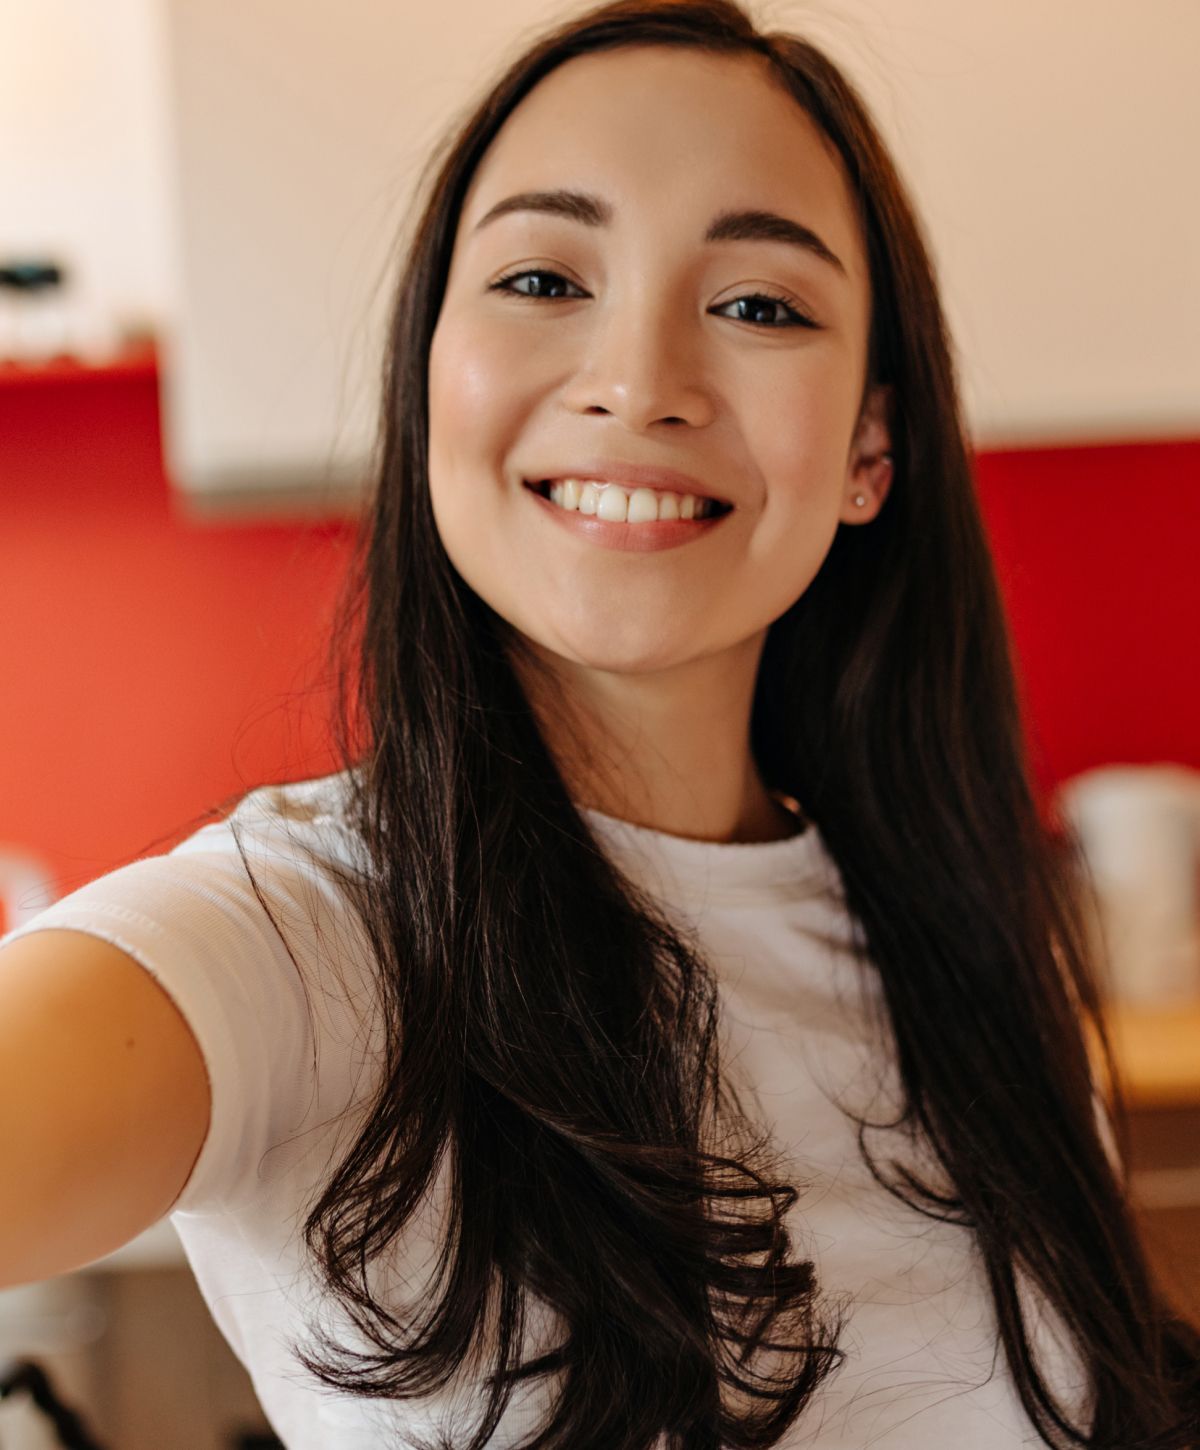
x,y
193,919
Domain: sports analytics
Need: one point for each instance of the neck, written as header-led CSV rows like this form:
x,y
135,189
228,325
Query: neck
x,y
668,750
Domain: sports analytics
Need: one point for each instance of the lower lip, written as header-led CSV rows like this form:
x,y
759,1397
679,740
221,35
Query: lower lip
x,y
636,538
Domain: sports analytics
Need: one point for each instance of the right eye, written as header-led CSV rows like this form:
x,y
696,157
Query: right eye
x,y
505,284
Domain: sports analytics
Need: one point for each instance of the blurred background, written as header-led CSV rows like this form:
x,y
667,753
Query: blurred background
x,y
201,206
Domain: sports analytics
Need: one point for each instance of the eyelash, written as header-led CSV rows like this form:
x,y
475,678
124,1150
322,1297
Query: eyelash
x,y
503,284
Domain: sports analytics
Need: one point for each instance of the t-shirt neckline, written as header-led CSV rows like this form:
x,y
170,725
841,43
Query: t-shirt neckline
x,y
746,872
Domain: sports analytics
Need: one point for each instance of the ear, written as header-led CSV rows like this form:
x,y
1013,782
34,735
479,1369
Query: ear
x,y
870,468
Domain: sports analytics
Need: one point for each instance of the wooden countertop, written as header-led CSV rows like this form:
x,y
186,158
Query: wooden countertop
x,y
1158,1054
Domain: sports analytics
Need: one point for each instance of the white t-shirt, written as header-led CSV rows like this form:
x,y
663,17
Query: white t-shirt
x,y
801,1031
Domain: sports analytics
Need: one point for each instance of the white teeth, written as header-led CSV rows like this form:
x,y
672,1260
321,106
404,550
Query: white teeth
x,y
643,506
615,504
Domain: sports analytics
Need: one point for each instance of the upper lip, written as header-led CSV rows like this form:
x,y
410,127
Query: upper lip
x,y
632,475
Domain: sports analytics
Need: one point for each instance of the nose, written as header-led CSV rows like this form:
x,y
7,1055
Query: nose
x,y
641,364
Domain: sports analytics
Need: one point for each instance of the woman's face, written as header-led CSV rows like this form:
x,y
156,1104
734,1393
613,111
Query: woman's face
x,y
652,346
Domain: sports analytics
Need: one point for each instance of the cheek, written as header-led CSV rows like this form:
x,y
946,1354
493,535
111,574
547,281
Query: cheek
x,y
798,433
804,413
477,365
800,440
469,387
476,410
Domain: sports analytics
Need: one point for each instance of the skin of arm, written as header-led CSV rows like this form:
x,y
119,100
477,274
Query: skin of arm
x,y
104,1103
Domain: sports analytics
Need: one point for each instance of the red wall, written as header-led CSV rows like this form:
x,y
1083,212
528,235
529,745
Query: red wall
x,y
1097,550
152,666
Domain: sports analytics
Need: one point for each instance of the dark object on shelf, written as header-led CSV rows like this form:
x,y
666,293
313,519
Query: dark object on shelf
x,y
24,1374
37,323
31,276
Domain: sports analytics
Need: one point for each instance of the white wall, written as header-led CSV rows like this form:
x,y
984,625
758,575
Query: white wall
x,y
1049,143
83,150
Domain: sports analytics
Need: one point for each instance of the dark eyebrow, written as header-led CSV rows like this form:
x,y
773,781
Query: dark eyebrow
x,y
726,226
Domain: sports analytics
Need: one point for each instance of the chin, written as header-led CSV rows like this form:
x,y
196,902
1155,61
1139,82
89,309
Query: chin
x,y
630,657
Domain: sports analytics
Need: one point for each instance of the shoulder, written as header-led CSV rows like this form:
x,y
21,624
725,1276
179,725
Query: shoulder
x,y
305,822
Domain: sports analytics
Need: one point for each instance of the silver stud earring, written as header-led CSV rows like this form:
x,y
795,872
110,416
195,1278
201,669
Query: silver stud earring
x,y
860,499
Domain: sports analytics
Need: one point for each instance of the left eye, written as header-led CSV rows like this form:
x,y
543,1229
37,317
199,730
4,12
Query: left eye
x,y
755,301
763,301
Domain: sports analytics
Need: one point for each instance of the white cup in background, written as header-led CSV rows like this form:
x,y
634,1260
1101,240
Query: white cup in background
x,y
1139,829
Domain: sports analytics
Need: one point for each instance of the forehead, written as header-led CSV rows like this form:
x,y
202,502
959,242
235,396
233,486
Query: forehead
x,y
671,132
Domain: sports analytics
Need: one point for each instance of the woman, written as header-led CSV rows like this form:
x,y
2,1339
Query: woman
x,y
723,1078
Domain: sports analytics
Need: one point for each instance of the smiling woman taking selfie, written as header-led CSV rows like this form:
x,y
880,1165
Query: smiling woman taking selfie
x,y
667,1029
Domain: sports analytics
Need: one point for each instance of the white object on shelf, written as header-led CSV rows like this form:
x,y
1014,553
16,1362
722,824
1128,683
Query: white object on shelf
x,y
1139,827
157,1248
26,887
62,1314
57,1316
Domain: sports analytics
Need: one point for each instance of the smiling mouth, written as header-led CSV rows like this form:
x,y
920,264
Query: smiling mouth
x,y
615,503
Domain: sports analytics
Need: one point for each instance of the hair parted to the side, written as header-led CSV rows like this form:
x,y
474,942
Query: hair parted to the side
x,y
551,1040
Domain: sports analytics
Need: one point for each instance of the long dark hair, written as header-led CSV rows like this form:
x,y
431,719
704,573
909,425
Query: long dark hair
x,y
551,1039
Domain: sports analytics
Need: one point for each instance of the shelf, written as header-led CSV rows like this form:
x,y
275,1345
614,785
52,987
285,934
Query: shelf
x,y
129,363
